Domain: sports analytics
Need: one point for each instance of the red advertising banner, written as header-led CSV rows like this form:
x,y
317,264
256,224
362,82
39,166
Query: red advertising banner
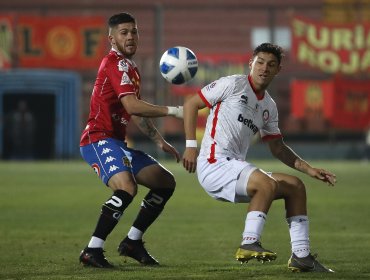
x,y
61,42
344,103
6,41
309,97
352,104
332,48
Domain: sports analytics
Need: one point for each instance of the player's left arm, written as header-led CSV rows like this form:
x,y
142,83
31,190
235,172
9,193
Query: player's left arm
x,y
148,128
286,155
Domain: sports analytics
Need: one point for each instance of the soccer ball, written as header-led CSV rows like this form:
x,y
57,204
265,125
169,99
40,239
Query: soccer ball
x,y
178,65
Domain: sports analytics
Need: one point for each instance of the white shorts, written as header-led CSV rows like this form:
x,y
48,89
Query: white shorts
x,y
226,179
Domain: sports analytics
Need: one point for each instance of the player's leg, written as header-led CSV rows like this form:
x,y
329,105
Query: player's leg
x,y
108,160
162,185
293,191
261,189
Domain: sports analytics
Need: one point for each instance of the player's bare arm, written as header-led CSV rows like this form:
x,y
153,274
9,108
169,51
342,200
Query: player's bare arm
x,y
286,155
137,107
147,127
191,107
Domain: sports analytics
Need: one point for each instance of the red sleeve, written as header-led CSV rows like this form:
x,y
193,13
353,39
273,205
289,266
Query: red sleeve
x,y
272,136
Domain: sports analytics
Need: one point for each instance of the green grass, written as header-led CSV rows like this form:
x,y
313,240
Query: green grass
x,y
48,211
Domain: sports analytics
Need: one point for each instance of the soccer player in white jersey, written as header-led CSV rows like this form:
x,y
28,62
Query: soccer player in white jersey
x,y
240,107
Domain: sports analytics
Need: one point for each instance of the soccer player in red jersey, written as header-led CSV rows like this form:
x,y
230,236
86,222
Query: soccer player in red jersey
x,y
114,102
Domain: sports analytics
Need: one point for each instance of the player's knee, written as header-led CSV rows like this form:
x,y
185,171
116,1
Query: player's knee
x,y
170,182
298,185
269,188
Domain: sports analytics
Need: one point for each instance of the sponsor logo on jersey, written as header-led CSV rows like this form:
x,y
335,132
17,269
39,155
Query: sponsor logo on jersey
x,y
122,65
125,80
122,120
266,115
249,123
96,168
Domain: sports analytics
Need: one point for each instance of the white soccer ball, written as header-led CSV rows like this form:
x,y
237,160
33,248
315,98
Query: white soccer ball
x,y
178,65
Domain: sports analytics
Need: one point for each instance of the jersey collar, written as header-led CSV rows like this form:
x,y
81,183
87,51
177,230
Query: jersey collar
x,y
260,95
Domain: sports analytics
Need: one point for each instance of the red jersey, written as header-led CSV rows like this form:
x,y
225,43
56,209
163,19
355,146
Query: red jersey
x,y
116,78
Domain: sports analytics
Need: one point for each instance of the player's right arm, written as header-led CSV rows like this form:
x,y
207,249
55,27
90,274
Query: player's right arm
x,y
191,107
140,108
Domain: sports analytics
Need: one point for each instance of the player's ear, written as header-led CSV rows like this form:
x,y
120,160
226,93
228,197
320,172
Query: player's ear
x,y
250,63
279,68
111,40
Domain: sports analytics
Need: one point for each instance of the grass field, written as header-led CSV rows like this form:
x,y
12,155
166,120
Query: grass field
x,y
49,209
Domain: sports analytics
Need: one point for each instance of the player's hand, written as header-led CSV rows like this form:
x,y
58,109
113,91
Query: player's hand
x,y
168,148
177,112
324,175
189,159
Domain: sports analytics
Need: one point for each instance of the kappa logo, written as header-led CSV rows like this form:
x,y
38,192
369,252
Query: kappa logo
x,y
109,159
106,151
112,168
102,142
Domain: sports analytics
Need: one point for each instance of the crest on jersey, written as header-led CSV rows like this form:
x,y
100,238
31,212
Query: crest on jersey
x,y
266,115
122,65
126,162
96,168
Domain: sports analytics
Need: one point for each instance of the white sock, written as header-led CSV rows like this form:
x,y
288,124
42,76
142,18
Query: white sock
x,y
96,242
135,234
253,227
298,229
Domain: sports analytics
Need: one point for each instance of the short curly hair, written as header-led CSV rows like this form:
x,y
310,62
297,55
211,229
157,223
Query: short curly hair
x,y
120,18
276,50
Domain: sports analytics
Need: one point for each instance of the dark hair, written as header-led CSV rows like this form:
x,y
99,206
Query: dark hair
x,y
120,18
270,48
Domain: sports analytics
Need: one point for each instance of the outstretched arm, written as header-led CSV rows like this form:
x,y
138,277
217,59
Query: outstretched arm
x,y
147,127
138,107
286,155
191,107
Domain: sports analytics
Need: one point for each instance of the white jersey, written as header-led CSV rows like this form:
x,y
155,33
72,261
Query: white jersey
x,y
236,115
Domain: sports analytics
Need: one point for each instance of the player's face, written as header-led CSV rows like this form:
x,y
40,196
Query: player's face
x,y
264,67
124,38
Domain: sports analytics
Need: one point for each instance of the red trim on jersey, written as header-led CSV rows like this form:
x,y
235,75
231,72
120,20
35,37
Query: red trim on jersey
x,y
260,95
212,158
272,136
122,94
204,99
